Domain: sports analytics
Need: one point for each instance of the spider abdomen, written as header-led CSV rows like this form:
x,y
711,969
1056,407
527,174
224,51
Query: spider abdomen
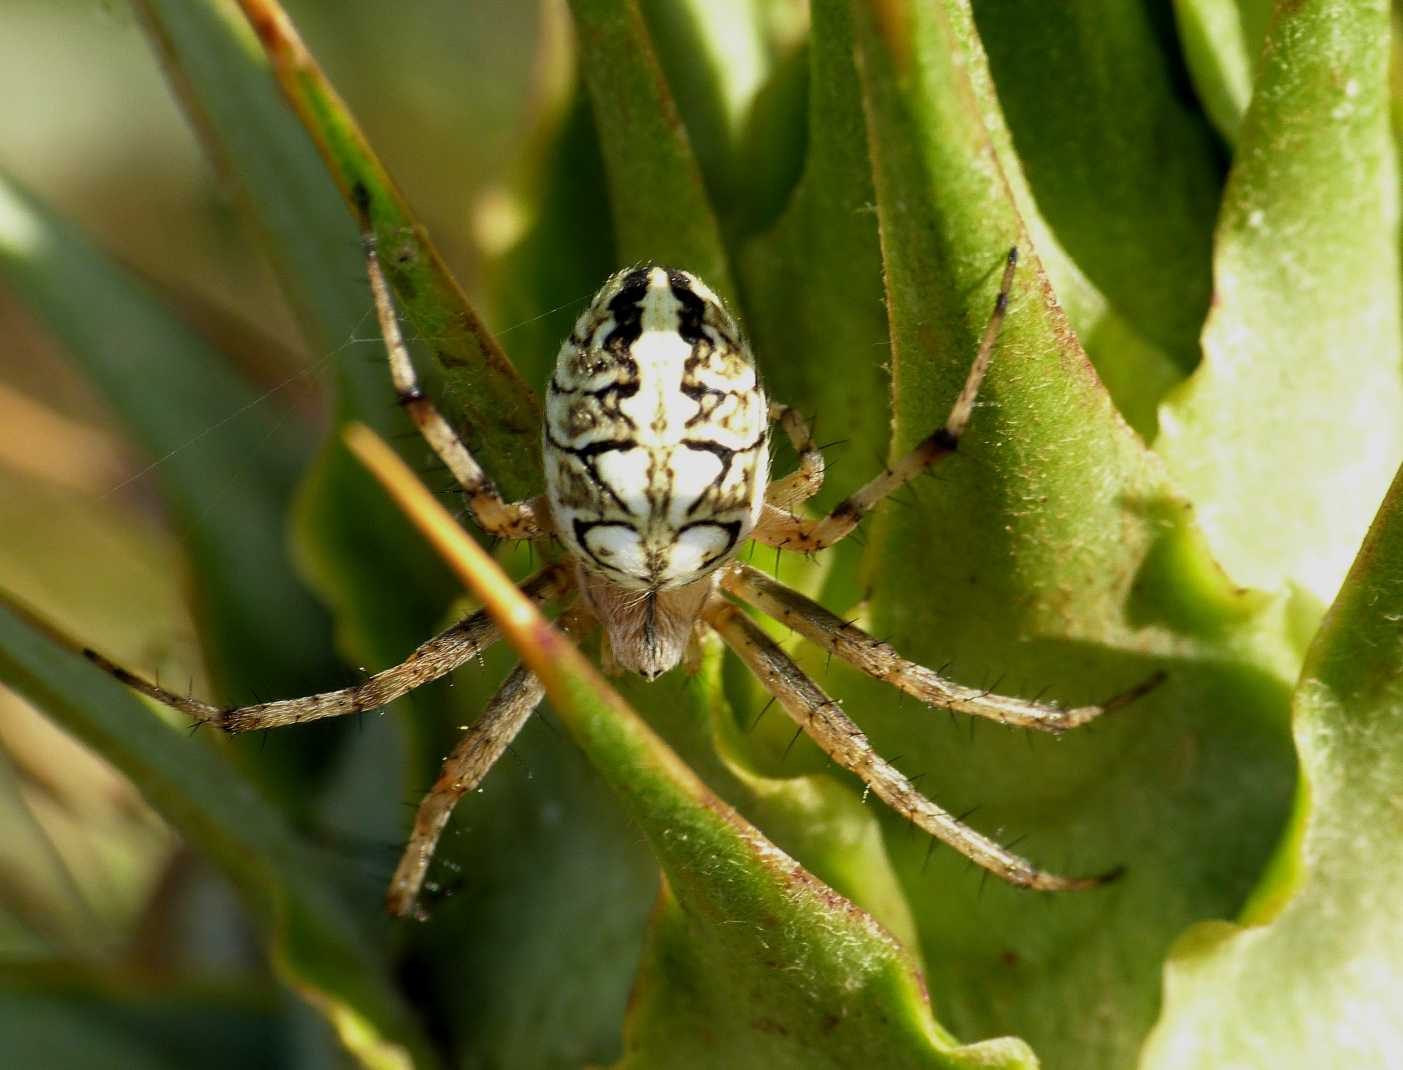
x,y
656,433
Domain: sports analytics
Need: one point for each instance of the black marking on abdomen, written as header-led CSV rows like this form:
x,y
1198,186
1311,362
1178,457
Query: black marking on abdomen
x,y
590,450
610,397
691,312
626,307
586,455
726,456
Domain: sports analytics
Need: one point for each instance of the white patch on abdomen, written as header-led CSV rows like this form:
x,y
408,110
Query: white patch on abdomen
x,y
656,436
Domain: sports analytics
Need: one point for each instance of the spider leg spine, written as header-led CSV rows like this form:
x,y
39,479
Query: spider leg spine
x,y
430,660
474,756
881,661
776,528
839,737
514,520
463,770
805,481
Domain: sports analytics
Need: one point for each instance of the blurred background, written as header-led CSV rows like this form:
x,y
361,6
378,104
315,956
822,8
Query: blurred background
x,y
442,89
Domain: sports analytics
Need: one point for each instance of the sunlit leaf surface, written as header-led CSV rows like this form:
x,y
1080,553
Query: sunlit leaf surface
x,y
1222,42
1092,86
1287,435
1044,553
1329,961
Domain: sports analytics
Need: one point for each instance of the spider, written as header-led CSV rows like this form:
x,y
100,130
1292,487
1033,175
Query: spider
x,y
656,444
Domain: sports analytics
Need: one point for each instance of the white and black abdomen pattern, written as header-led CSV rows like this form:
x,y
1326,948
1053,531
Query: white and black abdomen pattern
x,y
656,436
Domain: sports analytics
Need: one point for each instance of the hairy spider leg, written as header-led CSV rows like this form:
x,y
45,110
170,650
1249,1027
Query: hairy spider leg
x,y
464,769
806,480
881,661
840,738
782,529
430,660
506,520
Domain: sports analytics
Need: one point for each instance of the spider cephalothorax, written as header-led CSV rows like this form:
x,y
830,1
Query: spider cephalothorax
x,y
657,466
656,453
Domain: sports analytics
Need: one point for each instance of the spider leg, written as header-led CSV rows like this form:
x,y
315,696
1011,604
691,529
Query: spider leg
x,y
437,657
879,660
780,528
806,480
841,739
507,520
485,742
463,770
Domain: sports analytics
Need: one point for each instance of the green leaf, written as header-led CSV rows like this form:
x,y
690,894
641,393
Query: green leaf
x,y
533,941
1092,86
62,1017
772,146
1316,984
503,417
713,57
566,248
226,459
547,885
752,940
217,66
317,945
750,961
1051,553
1136,372
1222,42
815,817
660,207
814,281
534,842
126,341
1287,435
